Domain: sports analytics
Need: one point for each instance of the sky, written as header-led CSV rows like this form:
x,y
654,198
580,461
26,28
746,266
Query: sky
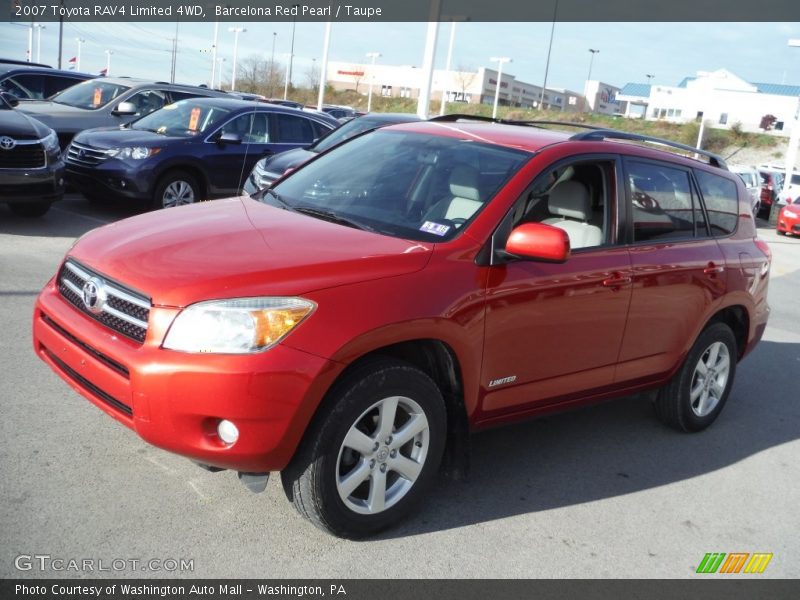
x,y
757,52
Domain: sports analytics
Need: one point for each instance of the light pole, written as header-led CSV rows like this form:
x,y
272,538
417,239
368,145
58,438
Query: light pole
x,y
214,53
447,68
591,63
39,26
30,43
108,62
288,74
236,31
291,50
500,60
323,72
373,56
78,59
272,66
220,60
549,49
649,78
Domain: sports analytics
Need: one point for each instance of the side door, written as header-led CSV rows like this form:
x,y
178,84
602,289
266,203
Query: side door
x,y
678,268
229,163
553,331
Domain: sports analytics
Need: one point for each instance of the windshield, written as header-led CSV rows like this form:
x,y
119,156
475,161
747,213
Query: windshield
x,y
90,94
182,119
410,185
345,132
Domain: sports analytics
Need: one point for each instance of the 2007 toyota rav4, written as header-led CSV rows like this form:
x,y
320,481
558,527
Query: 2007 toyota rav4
x,y
352,324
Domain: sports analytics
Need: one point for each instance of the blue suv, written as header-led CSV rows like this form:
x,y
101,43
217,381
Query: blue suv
x,y
195,149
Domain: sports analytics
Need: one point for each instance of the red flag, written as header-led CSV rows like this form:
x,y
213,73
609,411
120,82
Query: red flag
x,y
73,59
103,72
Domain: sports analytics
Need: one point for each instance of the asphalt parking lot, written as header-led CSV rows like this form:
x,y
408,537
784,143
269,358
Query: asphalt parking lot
x,y
602,492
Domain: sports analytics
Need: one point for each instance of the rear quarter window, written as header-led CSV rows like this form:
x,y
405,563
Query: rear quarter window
x,y
721,201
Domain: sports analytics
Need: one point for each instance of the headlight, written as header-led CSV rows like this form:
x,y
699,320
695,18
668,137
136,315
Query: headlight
x,y
50,142
135,152
238,326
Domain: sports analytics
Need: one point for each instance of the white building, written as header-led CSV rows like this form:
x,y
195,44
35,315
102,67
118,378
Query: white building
x,y
474,87
602,98
720,98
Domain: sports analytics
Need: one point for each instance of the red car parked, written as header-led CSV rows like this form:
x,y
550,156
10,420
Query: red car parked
x,y
350,326
789,219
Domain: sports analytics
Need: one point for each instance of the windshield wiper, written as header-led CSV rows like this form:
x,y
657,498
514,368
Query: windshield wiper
x,y
331,216
268,190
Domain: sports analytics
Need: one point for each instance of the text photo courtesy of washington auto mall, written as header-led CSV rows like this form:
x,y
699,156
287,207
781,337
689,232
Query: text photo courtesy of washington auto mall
x,y
440,297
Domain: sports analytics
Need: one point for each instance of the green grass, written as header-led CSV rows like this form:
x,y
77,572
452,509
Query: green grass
x,y
714,140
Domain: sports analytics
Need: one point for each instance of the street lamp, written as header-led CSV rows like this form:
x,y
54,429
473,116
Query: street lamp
x,y
39,26
373,56
235,31
272,66
291,50
591,62
108,62
500,60
288,75
649,78
78,58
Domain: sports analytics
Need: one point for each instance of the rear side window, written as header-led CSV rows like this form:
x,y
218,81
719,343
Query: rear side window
x,y
663,205
55,84
721,200
291,129
26,86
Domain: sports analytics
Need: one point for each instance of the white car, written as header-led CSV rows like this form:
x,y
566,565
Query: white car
x,y
792,194
752,181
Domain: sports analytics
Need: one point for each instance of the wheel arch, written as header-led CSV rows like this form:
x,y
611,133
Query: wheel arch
x,y
192,169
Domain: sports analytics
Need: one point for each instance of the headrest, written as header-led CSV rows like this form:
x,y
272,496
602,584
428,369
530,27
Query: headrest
x,y
464,183
570,199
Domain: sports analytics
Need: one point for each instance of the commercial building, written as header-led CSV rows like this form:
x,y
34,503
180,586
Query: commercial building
x,y
720,98
603,98
474,87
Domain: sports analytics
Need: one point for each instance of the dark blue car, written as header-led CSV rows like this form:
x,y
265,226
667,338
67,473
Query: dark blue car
x,y
195,149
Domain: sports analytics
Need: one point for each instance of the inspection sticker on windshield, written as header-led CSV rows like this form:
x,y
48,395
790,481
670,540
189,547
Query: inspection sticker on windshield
x,y
434,228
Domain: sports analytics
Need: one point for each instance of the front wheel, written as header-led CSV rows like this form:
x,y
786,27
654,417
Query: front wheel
x,y
694,397
176,188
372,453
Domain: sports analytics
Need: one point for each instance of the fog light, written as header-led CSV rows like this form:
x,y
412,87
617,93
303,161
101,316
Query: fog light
x,y
227,432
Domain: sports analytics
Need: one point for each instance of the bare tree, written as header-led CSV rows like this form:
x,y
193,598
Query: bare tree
x,y
312,76
465,76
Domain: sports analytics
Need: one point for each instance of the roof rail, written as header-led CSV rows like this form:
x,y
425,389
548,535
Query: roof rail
x,y
558,123
612,134
459,117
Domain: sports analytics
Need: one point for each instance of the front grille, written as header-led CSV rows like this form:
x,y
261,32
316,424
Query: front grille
x,y
107,360
23,156
122,309
85,156
89,386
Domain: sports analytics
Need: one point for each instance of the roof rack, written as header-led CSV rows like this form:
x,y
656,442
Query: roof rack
x,y
612,134
458,117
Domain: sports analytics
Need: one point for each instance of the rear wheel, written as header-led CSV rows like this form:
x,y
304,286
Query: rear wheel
x,y
694,397
30,209
373,452
176,188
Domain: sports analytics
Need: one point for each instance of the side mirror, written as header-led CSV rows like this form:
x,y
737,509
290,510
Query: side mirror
x,y
9,99
536,241
229,138
124,109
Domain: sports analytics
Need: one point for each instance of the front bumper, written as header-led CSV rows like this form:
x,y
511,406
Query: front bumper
x,y
174,400
32,185
789,224
112,178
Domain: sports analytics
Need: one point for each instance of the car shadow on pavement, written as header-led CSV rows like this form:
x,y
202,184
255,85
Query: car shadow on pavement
x,y
610,450
70,218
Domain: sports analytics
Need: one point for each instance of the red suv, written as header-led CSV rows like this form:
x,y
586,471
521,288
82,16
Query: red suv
x,y
350,325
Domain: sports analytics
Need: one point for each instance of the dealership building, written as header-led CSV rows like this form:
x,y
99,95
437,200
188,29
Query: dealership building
x,y
473,87
720,97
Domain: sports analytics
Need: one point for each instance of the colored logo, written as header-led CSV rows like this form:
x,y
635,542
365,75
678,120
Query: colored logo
x,y
735,562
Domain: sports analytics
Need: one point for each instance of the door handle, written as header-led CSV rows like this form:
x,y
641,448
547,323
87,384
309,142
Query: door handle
x,y
713,269
617,280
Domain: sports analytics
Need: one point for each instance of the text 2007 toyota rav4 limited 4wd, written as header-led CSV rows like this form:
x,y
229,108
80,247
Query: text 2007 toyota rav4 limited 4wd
x,y
350,325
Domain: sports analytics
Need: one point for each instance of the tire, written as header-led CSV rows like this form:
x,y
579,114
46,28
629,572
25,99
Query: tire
x,y
176,188
780,232
339,450
30,209
687,402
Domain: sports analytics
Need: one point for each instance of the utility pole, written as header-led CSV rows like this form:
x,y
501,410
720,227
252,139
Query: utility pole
x,y
214,53
60,35
549,49
323,72
373,56
272,66
291,50
174,54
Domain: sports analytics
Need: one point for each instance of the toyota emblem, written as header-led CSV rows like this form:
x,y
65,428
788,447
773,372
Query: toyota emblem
x,y
7,143
94,295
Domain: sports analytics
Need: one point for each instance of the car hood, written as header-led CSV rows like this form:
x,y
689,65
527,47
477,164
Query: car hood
x,y
15,123
290,159
60,116
238,248
114,137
